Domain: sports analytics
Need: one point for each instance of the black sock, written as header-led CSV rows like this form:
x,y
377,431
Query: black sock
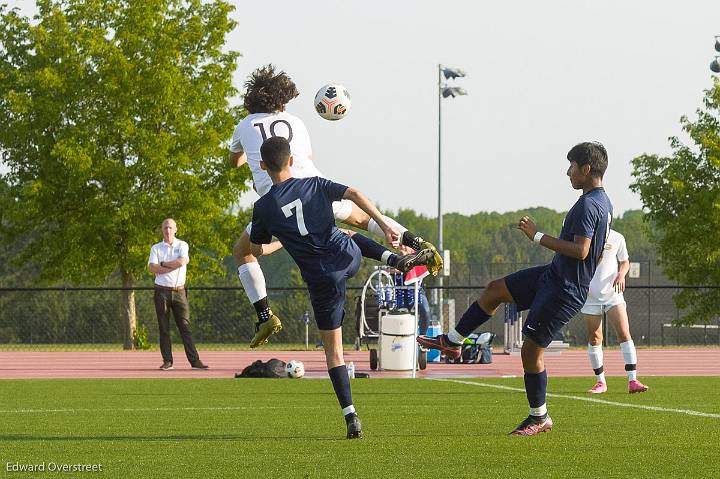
x,y
471,320
262,308
369,248
536,388
409,239
341,384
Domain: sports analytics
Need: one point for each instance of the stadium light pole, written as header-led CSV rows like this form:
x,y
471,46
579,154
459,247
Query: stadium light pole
x,y
444,91
715,64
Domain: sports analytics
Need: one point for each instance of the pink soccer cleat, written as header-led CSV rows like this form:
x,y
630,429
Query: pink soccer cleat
x,y
636,386
532,426
599,388
441,343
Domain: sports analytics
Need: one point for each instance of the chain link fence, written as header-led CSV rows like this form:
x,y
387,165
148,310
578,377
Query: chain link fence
x,y
223,318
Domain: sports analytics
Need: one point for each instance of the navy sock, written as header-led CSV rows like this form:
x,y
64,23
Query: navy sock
x,y
341,384
536,388
471,320
369,248
409,239
262,308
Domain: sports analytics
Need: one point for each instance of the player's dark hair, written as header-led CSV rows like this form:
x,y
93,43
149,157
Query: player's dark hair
x,y
275,153
590,153
267,91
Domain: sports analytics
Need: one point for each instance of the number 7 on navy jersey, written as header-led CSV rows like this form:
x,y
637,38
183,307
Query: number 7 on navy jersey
x,y
287,210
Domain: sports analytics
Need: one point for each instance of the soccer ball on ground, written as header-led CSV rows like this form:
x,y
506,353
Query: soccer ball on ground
x,y
295,369
332,102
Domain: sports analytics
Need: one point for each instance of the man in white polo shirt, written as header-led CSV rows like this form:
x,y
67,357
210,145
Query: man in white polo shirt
x,y
168,260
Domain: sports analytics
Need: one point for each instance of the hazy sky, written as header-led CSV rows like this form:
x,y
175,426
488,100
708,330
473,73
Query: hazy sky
x,y
542,76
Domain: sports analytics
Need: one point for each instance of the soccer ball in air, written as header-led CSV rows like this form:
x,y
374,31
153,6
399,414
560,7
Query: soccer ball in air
x,y
332,102
295,369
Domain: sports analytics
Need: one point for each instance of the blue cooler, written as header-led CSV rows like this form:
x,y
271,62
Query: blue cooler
x,y
434,329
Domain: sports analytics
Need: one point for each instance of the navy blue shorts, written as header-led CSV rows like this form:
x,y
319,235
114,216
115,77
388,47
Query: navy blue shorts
x,y
327,294
550,306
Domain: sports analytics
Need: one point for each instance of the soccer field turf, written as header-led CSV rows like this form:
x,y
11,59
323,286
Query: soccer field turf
x,y
413,428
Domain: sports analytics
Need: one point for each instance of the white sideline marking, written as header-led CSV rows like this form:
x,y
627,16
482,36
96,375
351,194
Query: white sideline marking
x,y
689,412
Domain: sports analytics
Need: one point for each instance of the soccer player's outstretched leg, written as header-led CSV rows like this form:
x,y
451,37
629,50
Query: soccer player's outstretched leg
x,y
326,256
553,293
267,94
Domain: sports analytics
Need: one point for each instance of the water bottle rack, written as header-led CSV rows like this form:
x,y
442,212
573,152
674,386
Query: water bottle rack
x,y
391,296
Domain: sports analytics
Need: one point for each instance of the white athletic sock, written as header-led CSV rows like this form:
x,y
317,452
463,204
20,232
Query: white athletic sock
x,y
538,411
595,353
385,256
253,280
348,410
375,229
630,357
455,337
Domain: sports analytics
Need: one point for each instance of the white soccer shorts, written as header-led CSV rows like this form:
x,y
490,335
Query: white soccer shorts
x,y
596,307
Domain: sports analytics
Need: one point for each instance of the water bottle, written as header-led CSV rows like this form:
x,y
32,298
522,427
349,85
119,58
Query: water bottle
x,y
390,296
400,298
351,370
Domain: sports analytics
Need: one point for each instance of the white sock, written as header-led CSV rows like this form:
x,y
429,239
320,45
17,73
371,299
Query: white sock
x,y
630,357
385,256
538,411
595,353
455,337
348,410
375,229
253,280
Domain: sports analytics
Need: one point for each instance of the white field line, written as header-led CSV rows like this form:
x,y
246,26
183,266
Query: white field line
x,y
689,412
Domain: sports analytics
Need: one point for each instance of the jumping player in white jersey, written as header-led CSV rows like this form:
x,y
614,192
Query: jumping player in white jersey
x,y
606,296
267,94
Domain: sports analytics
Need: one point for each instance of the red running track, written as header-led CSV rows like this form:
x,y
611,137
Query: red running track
x,y
224,364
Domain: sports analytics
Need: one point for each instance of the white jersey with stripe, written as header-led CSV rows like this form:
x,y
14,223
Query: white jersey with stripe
x,y
257,127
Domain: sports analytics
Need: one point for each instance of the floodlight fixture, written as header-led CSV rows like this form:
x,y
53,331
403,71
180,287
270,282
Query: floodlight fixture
x,y
715,65
453,91
452,73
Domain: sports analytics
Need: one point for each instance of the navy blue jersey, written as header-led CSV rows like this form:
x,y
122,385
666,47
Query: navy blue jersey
x,y
590,217
299,213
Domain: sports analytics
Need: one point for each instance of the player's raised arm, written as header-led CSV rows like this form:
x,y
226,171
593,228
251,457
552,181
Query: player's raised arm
x,y
578,248
392,236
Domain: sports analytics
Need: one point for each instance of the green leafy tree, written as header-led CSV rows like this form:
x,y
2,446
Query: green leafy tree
x,y
681,193
113,116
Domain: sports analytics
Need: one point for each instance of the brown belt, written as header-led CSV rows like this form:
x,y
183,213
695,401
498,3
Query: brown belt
x,y
170,288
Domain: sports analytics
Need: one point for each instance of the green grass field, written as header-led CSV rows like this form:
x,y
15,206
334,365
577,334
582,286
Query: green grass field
x,y
413,428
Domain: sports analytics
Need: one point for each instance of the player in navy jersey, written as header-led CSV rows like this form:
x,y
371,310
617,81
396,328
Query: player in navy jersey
x,y
299,213
553,293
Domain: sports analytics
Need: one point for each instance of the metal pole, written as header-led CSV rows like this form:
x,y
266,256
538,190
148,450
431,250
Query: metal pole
x,y
306,336
417,310
440,215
